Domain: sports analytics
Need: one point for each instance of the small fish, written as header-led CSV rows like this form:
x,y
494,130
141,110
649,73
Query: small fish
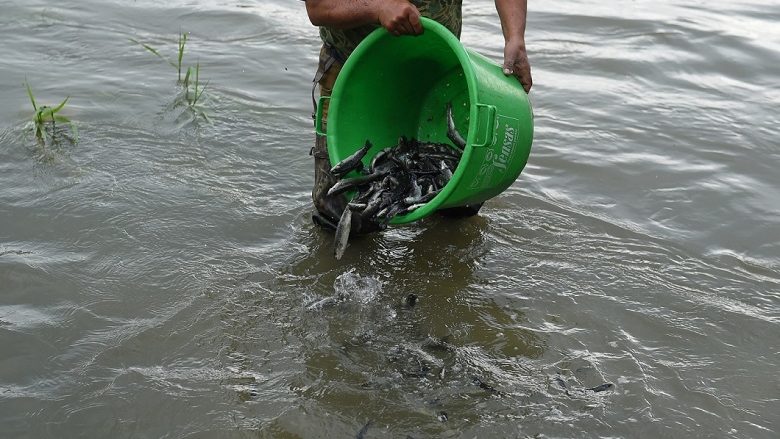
x,y
352,162
446,172
383,212
428,164
390,182
392,211
362,433
414,207
379,158
601,387
436,344
404,145
349,183
374,204
452,132
428,197
411,300
444,156
342,233
422,199
415,193
485,386
322,303
420,372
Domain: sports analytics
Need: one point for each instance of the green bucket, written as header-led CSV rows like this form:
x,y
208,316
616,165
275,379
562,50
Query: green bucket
x,y
392,86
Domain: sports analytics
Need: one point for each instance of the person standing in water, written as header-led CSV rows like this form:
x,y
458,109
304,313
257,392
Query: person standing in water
x,y
343,25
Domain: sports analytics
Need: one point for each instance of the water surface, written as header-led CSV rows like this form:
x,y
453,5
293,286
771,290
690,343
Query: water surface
x,y
162,278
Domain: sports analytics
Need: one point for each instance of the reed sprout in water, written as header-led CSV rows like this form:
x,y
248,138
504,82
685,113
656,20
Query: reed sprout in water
x,y
182,42
193,96
45,120
192,89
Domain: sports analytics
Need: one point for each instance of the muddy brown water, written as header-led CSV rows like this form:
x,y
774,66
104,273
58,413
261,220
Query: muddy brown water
x,y
162,278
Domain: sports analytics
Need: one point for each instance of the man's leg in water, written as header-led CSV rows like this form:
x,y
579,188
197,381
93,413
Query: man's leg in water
x,y
327,209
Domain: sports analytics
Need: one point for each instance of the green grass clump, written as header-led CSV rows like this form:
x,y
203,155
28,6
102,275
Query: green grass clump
x,y
192,89
46,118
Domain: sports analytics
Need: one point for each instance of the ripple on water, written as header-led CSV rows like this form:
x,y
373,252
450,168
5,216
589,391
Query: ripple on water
x,y
162,277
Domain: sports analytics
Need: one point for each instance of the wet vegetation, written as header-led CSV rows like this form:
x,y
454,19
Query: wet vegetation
x,y
52,130
45,123
191,87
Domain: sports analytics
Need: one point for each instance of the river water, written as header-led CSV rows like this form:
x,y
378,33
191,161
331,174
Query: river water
x,y
161,276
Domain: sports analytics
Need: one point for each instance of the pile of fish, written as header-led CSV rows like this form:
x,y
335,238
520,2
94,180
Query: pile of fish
x,y
399,179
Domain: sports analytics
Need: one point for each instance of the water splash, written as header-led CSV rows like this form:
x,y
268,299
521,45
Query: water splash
x,y
350,287
361,289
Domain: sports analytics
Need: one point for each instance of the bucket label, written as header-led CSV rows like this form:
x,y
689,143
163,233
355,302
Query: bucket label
x,y
499,153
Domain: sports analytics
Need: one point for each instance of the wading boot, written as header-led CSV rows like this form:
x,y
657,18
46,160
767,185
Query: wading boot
x,y
328,210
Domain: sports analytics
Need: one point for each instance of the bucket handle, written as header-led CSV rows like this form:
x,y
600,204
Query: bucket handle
x,y
486,123
318,119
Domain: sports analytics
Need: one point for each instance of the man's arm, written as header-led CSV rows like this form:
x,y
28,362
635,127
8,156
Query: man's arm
x,y
512,14
399,17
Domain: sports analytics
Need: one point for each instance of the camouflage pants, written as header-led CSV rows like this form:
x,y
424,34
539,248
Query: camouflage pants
x,y
329,208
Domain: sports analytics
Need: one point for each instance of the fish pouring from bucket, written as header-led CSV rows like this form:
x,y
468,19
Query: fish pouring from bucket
x,y
399,179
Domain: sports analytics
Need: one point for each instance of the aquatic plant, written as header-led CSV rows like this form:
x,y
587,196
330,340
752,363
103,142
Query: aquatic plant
x,y
193,97
192,90
182,42
155,52
45,119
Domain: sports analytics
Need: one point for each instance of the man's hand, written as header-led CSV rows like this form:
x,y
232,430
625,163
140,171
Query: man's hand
x,y
399,17
516,63
512,14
